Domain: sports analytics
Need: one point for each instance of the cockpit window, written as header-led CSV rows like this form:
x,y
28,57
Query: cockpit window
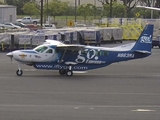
x,y
41,49
49,51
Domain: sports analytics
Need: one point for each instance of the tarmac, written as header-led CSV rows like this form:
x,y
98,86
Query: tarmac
x,y
122,91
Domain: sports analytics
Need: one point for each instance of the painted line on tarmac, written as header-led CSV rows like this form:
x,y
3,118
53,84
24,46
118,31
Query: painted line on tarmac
x,y
85,106
143,110
83,93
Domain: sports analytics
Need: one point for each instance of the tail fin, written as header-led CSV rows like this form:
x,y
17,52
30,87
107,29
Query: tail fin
x,y
144,42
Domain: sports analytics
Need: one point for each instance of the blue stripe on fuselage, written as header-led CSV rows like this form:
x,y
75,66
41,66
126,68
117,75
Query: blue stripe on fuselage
x,y
29,51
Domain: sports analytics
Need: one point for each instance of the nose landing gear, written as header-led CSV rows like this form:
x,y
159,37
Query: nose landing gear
x,y
19,72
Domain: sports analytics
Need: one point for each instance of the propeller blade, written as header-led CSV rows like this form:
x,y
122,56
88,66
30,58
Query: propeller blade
x,y
10,54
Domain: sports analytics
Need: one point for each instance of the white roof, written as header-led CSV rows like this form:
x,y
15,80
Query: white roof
x,y
7,6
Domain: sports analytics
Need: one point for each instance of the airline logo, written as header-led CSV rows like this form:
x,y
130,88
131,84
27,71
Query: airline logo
x,y
145,39
88,56
22,55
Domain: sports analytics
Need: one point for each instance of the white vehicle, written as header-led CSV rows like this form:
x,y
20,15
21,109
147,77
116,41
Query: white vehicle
x,y
49,26
11,25
28,20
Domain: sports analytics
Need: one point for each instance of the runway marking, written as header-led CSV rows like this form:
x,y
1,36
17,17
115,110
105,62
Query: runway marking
x,y
143,110
85,106
76,108
85,93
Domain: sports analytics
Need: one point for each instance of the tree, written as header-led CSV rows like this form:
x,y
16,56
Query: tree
x,y
146,3
147,13
70,10
1,3
157,3
55,8
18,3
119,10
106,1
86,10
149,3
31,8
129,4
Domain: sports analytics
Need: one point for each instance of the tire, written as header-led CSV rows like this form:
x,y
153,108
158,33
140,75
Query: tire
x,y
35,22
69,73
19,72
62,72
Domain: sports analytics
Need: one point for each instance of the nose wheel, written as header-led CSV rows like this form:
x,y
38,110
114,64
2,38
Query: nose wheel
x,y
19,72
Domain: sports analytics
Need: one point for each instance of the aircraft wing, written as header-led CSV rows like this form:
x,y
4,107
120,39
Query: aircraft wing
x,y
71,47
151,8
60,45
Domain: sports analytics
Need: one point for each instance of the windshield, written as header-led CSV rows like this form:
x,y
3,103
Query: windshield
x,y
49,51
41,49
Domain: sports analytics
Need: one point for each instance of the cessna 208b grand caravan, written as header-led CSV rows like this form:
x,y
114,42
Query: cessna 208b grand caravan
x,y
55,55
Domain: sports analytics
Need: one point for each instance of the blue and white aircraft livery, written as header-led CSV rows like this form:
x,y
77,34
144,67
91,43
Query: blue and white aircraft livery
x,y
55,55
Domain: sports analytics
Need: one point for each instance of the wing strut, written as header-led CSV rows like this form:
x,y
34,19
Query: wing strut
x,y
61,59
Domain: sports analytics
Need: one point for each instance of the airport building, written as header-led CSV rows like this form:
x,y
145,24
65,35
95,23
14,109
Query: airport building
x,y
8,13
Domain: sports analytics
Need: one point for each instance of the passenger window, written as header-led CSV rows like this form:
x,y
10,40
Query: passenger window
x,y
105,53
102,53
98,53
49,51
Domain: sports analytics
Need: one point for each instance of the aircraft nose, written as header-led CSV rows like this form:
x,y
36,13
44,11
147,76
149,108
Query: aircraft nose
x,y
10,54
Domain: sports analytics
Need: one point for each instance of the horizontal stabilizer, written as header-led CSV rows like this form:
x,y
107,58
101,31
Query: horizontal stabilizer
x,y
144,52
70,63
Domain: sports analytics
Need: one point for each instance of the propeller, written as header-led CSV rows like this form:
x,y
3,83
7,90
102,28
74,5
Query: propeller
x,y
10,54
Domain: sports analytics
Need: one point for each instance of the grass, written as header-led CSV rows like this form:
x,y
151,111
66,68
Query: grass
x,y
62,17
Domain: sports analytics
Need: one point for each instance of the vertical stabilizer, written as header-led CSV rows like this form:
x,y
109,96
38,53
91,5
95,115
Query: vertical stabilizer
x,y
144,42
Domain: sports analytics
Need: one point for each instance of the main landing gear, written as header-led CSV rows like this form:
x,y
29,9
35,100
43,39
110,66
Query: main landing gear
x,y
19,72
67,72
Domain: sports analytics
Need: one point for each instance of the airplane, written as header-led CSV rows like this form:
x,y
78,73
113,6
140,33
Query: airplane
x,y
151,8
55,55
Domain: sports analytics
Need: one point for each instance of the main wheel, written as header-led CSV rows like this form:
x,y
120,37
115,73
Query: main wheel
x,y
62,72
69,73
19,72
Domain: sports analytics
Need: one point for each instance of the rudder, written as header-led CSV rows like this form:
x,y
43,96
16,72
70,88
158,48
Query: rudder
x,y
144,42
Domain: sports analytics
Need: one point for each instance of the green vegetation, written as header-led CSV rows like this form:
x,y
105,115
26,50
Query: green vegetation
x,y
56,8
